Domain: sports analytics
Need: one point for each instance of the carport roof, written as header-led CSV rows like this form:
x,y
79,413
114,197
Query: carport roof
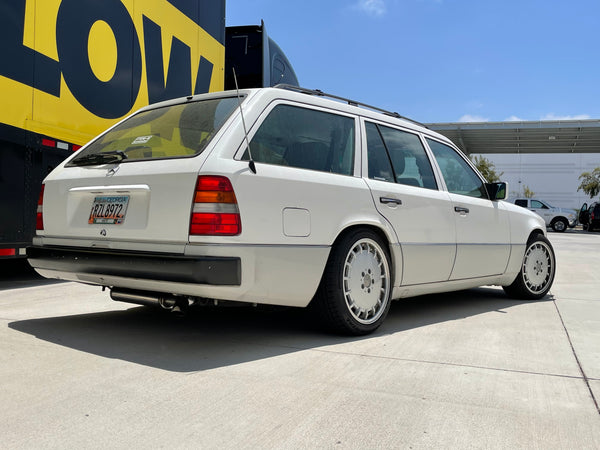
x,y
557,136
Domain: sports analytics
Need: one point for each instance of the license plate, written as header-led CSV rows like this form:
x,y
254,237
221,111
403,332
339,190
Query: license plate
x,y
109,209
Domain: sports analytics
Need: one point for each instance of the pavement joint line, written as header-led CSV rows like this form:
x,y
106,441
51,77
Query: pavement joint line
x,y
585,378
424,361
579,299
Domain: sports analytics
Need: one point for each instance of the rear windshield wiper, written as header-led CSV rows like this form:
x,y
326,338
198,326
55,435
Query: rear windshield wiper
x,y
114,156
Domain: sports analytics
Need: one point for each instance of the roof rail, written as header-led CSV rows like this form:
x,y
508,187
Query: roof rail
x,y
320,93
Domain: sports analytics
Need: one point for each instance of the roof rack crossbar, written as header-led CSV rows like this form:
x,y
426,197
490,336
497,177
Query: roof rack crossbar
x,y
320,93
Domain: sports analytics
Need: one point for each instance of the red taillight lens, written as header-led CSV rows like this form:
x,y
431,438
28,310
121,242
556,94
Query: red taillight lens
x,y
215,224
39,220
215,211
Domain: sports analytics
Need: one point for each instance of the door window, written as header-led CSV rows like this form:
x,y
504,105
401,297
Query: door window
x,y
398,156
305,138
460,178
538,205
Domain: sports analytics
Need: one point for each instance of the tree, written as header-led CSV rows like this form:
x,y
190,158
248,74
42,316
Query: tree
x,y
487,168
528,193
590,183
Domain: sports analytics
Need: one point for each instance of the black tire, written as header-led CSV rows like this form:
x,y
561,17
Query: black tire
x,y
590,227
355,292
584,226
537,270
560,225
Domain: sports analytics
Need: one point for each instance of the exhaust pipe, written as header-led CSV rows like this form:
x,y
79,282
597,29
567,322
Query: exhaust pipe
x,y
145,298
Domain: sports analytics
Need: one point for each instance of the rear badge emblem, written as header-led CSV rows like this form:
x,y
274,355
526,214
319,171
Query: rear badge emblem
x,y
103,232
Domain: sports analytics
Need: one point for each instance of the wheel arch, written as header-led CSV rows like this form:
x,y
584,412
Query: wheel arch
x,y
535,233
394,250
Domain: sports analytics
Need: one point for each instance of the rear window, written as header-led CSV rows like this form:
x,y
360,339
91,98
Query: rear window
x,y
168,132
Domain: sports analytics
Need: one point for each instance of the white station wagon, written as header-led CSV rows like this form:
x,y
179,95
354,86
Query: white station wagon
x,y
283,196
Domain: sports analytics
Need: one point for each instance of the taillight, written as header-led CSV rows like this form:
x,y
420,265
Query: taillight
x,y
39,220
215,211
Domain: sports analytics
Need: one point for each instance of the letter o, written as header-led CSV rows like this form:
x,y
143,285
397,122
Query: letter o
x,y
108,99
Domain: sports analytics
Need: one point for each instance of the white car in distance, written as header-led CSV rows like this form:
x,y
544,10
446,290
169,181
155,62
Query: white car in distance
x,y
334,202
556,218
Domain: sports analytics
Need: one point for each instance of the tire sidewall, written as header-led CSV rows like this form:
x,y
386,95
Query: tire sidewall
x,y
333,290
559,225
532,241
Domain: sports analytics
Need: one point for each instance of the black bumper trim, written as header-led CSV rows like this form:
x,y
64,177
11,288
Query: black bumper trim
x,y
211,270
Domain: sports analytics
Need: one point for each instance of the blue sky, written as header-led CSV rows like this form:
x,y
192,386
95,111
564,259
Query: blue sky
x,y
443,60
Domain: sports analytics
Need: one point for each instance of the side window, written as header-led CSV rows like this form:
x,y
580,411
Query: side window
x,y
305,138
398,156
459,176
537,205
410,162
522,203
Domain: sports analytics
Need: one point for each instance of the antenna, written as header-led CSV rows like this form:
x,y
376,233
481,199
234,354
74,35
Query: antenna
x,y
251,164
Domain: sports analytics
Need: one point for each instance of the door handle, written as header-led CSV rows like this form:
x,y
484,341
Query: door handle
x,y
461,210
390,201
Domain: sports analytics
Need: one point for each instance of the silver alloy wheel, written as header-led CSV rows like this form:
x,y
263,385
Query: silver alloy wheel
x,y
559,225
366,281
538,267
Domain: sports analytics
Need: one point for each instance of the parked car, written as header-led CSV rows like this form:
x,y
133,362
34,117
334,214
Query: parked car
x,y
283,196
589,217
556,218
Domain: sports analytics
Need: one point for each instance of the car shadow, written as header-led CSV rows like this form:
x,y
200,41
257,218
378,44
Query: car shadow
x,y
208,338
17,273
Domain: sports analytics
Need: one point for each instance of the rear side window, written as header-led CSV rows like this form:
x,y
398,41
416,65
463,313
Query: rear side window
x,y
398,156
522,203
171,131
305,138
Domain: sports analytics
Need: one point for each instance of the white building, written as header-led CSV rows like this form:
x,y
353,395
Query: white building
x,y
548,157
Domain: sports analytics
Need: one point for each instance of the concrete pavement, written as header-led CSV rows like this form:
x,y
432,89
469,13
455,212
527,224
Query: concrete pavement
x,y
470,369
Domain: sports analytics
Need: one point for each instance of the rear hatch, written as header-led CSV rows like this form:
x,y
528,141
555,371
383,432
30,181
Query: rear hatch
x,y
136,182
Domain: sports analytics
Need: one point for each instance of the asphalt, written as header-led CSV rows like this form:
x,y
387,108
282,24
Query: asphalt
x,y
470,369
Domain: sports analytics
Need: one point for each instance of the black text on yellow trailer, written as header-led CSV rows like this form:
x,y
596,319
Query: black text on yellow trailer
x,y
70,68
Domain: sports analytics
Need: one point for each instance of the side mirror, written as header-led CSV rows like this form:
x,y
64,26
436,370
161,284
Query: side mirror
x,y
497,191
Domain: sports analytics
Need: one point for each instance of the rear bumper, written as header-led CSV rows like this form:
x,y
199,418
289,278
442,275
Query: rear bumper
x,y
208,270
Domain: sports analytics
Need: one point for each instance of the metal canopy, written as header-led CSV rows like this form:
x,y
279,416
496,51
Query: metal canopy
x,y
561,136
